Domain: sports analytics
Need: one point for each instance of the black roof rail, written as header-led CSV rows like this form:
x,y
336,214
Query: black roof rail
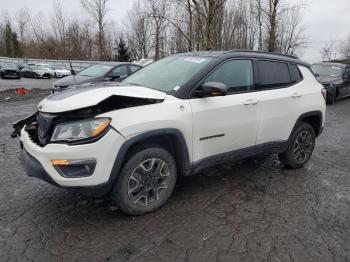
x,y
262,52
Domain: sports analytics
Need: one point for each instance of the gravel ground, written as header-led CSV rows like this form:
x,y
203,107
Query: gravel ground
x,y
28,83
254,210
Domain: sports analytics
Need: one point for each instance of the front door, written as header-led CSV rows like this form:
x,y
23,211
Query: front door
x,y
226,123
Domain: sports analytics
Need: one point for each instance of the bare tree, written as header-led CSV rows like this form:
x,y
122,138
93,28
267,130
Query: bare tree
x,y
157,11
291,31
98,10
22,18
328,51
59,21
272,24
345,48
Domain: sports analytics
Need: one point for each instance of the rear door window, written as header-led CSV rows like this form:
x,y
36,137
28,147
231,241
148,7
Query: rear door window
x,y
273,74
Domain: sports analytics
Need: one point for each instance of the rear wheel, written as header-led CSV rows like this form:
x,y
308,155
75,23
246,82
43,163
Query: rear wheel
x,y
145,182
331,99
300,147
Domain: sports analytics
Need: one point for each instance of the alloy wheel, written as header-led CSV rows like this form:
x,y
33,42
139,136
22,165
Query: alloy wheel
x,y
148,182
303,147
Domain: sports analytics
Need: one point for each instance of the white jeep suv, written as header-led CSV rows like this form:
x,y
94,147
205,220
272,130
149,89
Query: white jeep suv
x,y
185,112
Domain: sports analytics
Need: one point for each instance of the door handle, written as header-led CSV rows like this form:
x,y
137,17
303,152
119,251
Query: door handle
x,y
251,102
295,95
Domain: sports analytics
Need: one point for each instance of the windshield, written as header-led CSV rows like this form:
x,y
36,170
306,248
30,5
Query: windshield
x,y
168,73
326,70
96,70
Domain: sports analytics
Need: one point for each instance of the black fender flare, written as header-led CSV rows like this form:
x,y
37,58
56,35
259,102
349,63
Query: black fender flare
x,y
183,156
306,115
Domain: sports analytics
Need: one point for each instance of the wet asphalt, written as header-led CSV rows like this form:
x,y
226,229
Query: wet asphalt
x,y
254,210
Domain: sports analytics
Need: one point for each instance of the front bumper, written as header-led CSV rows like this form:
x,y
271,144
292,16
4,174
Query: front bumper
x,y
36,160
11,75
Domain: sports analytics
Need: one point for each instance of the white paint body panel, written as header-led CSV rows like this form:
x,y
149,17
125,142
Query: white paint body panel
x,y
75,99
171,113
104,151
236,124
280,108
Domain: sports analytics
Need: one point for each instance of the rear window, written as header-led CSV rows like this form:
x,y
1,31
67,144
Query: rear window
x,y
273,74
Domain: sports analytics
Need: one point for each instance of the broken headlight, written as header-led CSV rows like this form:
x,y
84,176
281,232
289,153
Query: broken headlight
x,y
80,130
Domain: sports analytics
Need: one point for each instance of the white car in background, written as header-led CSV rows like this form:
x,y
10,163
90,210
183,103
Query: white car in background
x,y
60,71
45,69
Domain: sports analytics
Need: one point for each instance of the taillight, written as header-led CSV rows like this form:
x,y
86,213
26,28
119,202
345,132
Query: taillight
x,y
324,93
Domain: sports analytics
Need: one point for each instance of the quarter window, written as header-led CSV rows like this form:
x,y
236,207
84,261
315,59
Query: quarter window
x,y
237,75
273,74
295,73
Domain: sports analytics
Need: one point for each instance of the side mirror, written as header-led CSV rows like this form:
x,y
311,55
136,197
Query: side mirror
x,y
214,89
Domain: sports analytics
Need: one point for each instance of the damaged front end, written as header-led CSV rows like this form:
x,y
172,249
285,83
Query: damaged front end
x,y
28,121
40,125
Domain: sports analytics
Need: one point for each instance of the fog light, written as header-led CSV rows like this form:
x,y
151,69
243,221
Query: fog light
x,y
75,168
60,162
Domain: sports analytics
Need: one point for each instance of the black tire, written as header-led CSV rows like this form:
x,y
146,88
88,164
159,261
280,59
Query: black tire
x,y
331,99
300,148
138,190
55,75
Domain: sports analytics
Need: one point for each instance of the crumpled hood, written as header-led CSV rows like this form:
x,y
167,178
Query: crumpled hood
x,y
326,80
77,98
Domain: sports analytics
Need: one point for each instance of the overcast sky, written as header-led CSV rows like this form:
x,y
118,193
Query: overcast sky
x,y
325,20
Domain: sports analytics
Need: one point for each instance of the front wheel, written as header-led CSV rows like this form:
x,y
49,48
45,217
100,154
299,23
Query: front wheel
x,y
145,182
300,148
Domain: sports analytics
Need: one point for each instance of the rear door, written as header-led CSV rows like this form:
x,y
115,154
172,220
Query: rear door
x,y
226,123
279,91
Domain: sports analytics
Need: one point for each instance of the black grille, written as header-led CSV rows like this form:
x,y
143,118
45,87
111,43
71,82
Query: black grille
x,y
44,127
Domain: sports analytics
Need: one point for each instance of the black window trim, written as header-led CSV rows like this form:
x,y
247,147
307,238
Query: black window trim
x,y
200,82
275,87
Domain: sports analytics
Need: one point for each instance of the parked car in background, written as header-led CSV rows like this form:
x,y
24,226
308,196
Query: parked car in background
x,y
46,68
9,71
174,117
96,74
36,72
60,71
335,77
